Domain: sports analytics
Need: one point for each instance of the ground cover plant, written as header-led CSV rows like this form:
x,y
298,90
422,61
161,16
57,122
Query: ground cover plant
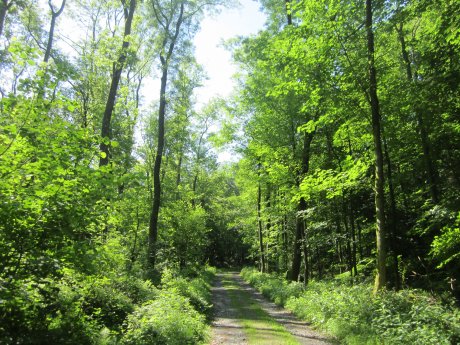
x,y
352,314
106,309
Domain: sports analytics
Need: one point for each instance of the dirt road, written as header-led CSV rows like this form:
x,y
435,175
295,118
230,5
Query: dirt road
x,y
243,316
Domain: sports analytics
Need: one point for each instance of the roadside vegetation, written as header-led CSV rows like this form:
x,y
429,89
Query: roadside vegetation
x,y
351,313
110,309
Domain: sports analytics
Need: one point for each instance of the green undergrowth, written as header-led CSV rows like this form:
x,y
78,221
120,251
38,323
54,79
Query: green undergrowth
x,y
177,316
259,327
107,309
353,315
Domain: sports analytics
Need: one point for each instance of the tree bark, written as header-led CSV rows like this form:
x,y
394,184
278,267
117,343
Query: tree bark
x,y
392,221
54,15
106,132
153,226
4,7
306,267
353,237
288,5
261,238
268,225
381,277
165,59
302,207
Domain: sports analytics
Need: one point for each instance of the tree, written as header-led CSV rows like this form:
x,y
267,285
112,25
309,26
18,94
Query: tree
x,y
381,279
128,12
175,21
54,15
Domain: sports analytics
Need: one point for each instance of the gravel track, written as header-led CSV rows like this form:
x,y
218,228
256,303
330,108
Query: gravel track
x,y
227,330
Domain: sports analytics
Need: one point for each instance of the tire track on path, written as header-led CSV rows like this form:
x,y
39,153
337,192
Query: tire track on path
x,y
232,319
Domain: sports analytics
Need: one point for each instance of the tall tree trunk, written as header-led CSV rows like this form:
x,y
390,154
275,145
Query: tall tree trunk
x,y
153,226
297,255
165,59
381,277
268,225
392,221
430,169
285,243
348,239
306,267
261,238
302,207
353,237
106,132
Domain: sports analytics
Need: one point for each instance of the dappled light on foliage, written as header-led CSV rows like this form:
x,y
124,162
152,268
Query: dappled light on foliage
x,y
343,134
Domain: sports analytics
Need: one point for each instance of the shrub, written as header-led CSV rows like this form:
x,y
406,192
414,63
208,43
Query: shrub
x,y
353,315
197,290
415,317
169,319
275,288
44,311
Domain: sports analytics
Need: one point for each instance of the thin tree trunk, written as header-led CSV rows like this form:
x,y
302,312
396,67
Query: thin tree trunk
x,y
353,237
106,130
261,238
320,266
392,221
288,5
285,243
297,255
431,173
302,207
381,277
165,59
54,15
360,241
268,225
179,167
350,265
153,226
339,253
133,256
178,174
306,268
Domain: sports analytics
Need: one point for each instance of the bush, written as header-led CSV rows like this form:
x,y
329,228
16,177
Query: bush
x,y
354,316
415,317
44,311
197,290
275,288
169,319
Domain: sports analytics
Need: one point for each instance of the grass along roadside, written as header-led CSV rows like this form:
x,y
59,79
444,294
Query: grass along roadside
x,y
354,317
259,327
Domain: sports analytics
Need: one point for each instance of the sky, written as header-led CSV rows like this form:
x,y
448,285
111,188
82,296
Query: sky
x,y
242,20
216,60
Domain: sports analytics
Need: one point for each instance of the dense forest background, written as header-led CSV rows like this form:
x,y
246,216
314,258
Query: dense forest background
x,y
345,127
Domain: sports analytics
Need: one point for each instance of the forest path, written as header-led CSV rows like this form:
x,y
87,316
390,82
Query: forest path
x,y
243,316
